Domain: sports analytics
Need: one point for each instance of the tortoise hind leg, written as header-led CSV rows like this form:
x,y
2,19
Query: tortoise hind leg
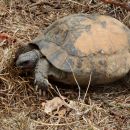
x,y
56,73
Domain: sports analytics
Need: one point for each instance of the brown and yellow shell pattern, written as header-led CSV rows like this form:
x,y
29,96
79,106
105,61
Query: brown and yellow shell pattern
x,y
85,43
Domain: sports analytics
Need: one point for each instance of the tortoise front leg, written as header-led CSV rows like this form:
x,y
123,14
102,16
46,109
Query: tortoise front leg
x,y
41,74
43,70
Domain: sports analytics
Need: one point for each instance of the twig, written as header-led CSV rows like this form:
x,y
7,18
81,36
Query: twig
x,y
59,93
75,2
41,3
90,78
123,5
75,80
63,124
125,19
92,125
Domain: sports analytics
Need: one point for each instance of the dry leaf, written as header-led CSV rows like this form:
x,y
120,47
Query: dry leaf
x,y
54,104
5,38
61,112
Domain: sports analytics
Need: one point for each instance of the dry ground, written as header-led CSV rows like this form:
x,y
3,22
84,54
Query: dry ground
x,y
105,107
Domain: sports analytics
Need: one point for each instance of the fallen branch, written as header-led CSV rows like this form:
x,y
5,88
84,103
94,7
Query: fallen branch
x,y
123,4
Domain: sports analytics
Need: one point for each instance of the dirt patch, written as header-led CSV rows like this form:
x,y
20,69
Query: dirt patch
x,y
104,108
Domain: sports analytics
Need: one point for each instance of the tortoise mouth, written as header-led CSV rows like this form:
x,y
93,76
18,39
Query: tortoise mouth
x,y
26,64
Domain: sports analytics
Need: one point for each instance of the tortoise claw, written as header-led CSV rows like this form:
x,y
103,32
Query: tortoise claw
x,y
36,87
40,92
41,85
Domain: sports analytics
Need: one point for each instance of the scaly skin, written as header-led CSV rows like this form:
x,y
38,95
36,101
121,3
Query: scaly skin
x,y
28,59
43,69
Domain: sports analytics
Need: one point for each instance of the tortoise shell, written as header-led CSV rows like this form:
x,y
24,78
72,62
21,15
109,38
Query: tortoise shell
x,y
85,43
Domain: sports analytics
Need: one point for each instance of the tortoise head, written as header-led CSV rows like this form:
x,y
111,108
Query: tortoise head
x,y
28,60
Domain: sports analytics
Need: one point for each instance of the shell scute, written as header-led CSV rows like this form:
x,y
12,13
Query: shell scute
x,y
83,42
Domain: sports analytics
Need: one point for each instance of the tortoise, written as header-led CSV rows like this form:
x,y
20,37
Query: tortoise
x,y
77,46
